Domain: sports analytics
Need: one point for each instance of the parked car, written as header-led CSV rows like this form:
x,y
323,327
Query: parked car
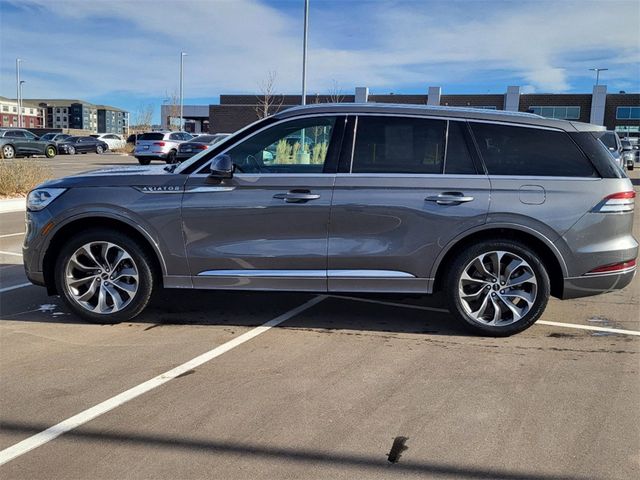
x,y
54,137
498,210
112,140
612,141
630,154
73,145
195,145
133,138
159,146
15,142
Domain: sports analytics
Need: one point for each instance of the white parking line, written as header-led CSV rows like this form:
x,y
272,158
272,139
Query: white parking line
x,y
10,253
539,322
15,287
81,418
589,327
11,235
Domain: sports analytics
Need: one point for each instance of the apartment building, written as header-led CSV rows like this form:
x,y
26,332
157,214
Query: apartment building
x,y
32,114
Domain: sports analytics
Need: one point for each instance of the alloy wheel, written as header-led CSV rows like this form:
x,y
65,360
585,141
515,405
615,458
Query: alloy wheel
x,y
101,277
497,288
8,151
71,150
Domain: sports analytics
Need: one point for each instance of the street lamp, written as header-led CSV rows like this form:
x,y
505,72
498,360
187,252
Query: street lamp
x,y
304,53
21,118
18,61
598,70
182,55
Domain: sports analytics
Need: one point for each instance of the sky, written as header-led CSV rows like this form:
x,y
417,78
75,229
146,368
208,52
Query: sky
x,y
126,53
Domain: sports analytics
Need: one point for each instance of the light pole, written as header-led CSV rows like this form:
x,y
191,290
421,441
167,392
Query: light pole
x,y
304,53
182,55
21,118
598,70
18,60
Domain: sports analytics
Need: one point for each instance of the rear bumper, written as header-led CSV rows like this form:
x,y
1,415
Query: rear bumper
x,y
151,154
587,285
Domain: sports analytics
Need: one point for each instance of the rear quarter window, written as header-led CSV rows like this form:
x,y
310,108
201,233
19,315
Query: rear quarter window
x,y
510,150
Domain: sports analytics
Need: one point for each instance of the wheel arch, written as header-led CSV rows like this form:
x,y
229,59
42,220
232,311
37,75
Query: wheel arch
x,y
549,254
76,225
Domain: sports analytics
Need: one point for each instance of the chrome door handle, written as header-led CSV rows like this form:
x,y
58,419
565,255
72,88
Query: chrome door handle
x,y
449,198
297,196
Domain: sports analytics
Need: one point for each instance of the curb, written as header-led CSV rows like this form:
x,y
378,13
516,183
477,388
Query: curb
x,y
13,205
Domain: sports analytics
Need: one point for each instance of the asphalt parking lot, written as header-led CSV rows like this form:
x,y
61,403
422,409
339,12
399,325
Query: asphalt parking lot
x,y
308,386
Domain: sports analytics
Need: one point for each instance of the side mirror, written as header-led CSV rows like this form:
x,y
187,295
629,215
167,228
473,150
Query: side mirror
x,y
222,167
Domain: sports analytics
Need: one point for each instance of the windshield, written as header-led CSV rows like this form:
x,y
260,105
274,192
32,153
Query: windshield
x,y
48,136
71,139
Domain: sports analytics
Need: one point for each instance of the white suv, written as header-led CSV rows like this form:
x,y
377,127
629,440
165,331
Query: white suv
x,y
159,145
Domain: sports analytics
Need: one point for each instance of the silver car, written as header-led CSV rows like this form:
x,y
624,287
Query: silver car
x,y
499,211
159,146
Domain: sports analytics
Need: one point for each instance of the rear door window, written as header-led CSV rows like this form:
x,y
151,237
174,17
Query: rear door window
x,y
399,145
510,150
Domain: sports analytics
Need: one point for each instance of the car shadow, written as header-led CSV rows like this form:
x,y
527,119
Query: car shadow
x,y
392,313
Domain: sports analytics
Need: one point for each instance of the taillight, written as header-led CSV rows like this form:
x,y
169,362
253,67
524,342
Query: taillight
x,y
612,268
202,147
620,202
160,144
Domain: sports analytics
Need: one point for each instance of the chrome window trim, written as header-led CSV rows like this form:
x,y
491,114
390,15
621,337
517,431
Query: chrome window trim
x,y
446,148
370,114
353,143
307,273
207,189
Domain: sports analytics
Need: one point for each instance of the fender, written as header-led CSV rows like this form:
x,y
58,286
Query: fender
x,y
505,225
97,214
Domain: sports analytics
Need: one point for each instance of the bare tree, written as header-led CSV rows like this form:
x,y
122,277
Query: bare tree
x,y
268,102
173,100
335,93
143,117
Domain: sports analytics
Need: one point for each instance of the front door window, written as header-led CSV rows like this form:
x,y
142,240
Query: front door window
x,y
298,146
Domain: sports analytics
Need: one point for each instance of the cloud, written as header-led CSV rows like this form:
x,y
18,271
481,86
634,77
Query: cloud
x,y
77,48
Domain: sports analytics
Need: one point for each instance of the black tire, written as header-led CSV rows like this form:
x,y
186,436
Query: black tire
x,y
99,149
143,161
71,150
464,258
143,262
50,151
171,157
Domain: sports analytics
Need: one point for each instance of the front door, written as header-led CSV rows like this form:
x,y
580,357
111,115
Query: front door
x,y
267,227
407,193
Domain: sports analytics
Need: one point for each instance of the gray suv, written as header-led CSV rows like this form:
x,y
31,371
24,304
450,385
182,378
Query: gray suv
x,y
497,210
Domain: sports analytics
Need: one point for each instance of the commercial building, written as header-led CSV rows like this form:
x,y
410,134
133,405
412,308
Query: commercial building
x,y
617,111
82,115
196,117
32,114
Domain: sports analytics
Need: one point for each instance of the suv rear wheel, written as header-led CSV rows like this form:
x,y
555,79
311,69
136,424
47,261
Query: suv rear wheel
x,y
497,287
144,161
104,276
171,157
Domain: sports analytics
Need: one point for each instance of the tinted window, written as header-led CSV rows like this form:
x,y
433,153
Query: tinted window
x,y
151,136
202,139
399,145
175,136
15,134
510,150
458,157
298,146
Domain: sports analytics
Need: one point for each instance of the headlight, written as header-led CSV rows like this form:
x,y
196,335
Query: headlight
x,y
41,197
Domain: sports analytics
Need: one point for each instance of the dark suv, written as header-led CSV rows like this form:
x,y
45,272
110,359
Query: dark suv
x,y
497,210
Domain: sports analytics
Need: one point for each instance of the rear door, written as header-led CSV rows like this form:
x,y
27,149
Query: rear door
x,y
407,192
267,227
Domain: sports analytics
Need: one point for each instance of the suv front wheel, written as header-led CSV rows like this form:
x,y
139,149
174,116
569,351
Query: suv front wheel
x,y
104,276
497,287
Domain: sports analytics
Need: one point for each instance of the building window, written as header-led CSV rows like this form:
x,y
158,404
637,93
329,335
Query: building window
x,y
15,109
628,113
562,113
57,119
627,129
57,110
5,108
